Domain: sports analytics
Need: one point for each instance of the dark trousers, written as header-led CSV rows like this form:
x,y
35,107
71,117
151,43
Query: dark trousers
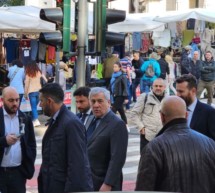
x,y
135,83
143,142
129,90
12,181
118,106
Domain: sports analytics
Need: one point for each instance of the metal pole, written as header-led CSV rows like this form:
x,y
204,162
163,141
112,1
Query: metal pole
x,y
66,25
87,32
57,64
82,31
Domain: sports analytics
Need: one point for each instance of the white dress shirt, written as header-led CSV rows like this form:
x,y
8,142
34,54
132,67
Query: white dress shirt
x,y
13,154
87,116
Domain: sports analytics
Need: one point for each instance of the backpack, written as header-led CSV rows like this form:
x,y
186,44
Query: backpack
x,y
150,71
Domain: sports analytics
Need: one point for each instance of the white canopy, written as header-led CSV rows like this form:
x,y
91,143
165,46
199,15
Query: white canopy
x,y
23,19
198,13
137,22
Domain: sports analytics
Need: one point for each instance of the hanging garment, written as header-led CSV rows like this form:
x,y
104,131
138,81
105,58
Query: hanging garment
x,y
162,39
25,55
187,37
136,38
34,49
12,49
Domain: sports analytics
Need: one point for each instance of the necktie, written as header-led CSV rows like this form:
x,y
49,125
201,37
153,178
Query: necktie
x,y
188,109
92,127
83,117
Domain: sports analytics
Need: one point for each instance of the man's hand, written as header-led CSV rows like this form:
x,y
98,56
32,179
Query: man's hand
x,y
11,139
105,188
142,131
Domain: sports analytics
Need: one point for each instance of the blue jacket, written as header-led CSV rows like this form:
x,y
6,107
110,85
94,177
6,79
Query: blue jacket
x,y
156,68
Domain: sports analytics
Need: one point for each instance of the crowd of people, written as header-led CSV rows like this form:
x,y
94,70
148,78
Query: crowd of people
x,y
29,79
86,151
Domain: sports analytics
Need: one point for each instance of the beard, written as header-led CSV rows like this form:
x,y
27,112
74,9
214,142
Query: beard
x,y
11,111
46,111
187,100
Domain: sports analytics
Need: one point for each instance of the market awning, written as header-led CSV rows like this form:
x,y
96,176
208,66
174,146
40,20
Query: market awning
x,y
198,13
23,19
137,22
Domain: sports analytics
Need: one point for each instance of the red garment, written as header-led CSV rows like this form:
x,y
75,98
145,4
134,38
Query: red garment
x,y
51,52
145,43
25,43
196,40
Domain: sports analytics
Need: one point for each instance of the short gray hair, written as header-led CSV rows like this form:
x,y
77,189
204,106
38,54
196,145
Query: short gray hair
x,y
97,90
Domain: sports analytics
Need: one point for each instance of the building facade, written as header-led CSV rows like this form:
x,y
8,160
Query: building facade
x,y
149,6
41,3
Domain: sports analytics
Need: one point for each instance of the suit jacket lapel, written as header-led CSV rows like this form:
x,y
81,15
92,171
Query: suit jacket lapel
x,y
102,125
47,133
195,116
89,120
21,118
2,128
78,115
51,127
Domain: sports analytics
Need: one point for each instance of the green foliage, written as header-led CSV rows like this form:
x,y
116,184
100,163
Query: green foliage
x,y
12,2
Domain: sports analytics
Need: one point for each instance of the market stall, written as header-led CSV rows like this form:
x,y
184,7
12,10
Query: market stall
x,y
23,19
194,26
139,22
198,14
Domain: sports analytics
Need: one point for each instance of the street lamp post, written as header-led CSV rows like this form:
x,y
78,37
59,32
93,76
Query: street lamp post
x,y
82,35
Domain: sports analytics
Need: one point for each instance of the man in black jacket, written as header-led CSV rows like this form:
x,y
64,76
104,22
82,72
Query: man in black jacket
x,y
163,66
17,144
136,65
179,159
185,60
195,65
65,166
207,78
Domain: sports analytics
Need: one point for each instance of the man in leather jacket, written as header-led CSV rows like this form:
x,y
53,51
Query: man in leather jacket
x,y
179,159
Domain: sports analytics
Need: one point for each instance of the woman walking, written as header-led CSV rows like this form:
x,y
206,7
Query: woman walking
x,y
16,75
32,87
118,87
172,75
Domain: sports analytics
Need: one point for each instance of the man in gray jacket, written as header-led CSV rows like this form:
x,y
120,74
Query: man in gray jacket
x,y
207,71
145,113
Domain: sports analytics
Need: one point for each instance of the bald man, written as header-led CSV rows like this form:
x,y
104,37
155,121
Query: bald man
x,y
179,159
17,145
195,65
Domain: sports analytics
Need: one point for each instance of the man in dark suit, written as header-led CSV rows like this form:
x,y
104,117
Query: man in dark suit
x,y
81,95
17,145
107,143
65,166
201,117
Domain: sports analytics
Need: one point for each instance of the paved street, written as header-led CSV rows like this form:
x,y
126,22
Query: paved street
x,y
129,170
